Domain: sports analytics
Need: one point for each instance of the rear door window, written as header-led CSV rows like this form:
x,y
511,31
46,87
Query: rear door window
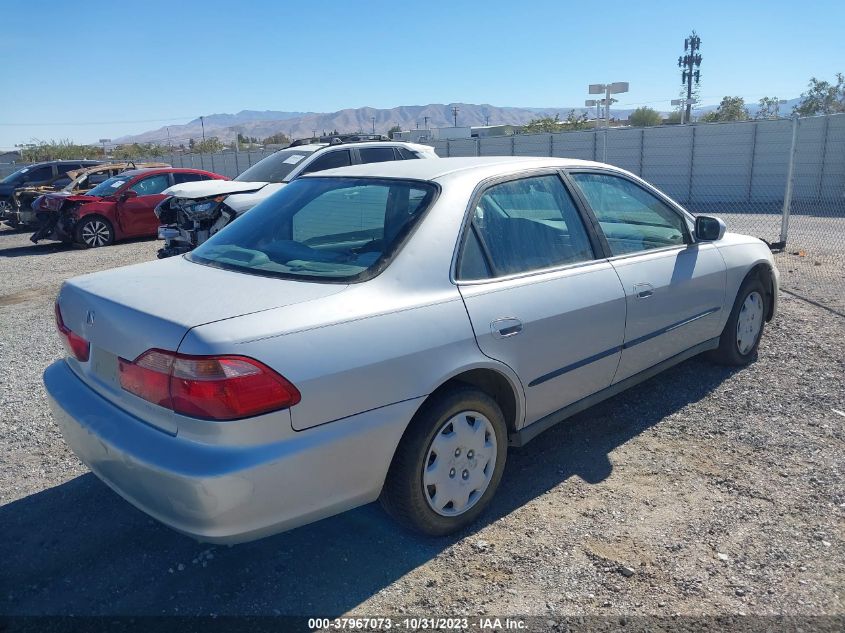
x,y
524,225
179,178
376,154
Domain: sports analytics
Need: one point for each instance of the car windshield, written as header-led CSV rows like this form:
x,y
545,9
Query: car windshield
x,y
322,229
15,177
109,187
276,167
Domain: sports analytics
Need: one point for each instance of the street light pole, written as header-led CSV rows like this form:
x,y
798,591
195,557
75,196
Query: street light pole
x,y
608,89
202,123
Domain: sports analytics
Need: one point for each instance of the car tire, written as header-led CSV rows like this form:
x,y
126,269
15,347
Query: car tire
x,y
741,337
455,445
94,232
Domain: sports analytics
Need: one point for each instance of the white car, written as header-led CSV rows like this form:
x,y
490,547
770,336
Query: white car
x,y
196,211
387,331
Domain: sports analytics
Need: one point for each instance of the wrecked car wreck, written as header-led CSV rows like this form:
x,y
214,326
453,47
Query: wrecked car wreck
x,y
118,208
196,211
31,202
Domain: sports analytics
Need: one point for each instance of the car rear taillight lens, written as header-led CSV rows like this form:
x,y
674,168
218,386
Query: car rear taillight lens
x,y
211,387
77,346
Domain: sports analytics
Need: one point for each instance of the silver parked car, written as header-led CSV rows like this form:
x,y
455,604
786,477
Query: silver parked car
x,y
387,331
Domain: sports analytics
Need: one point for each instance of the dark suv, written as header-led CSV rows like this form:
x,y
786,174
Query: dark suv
x,y
51,173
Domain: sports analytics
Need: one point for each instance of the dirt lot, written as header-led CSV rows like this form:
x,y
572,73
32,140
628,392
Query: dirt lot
x,y
703,491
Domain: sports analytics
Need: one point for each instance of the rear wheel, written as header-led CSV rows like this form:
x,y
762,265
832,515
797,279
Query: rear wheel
x,y
93,232
449,463
744,329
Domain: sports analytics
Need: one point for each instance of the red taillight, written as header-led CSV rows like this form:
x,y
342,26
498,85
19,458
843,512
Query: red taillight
x,y
74,344
212,387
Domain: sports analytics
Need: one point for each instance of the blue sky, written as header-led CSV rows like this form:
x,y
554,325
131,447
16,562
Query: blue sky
x,y
104,68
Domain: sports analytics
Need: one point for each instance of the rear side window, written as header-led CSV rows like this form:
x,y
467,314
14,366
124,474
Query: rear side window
x,y
406,154
330,160
376,154
524,225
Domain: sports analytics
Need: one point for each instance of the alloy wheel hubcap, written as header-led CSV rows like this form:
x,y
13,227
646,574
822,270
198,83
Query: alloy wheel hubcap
x,y
95,233
749,323
460,463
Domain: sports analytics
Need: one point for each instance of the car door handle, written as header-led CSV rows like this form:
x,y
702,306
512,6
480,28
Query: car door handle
x,y
508,326
643,291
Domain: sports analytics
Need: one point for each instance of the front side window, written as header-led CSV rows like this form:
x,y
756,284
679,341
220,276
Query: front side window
x,y
631,218
524,225
39,174
333,229
152,185
330,160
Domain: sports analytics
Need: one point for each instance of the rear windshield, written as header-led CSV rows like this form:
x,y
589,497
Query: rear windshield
x,y
321,229
275,167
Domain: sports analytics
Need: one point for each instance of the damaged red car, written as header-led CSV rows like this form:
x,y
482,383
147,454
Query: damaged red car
x,y
118,208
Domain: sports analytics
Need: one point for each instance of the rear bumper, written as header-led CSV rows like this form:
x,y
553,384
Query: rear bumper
x,y
228,494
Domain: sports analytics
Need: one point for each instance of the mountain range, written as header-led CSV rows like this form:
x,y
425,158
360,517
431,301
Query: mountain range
x,y
263,123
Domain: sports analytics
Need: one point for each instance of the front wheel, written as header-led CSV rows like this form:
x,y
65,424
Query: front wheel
x,y
449,463
93,232
744,329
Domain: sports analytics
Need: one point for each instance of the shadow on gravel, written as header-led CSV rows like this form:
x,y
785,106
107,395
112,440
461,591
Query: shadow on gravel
x,y
79,549
47,246
35,249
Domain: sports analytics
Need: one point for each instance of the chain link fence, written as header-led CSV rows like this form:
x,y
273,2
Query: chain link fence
x,y
780,180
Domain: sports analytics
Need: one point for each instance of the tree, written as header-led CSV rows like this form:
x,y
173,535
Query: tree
x,y
730,109
645,117
674,118
767,108
208,146
554,124
822,97
393,130
277,139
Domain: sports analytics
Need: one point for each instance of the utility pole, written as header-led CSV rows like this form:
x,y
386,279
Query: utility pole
x,y
425,118
373,119
690,62
168,140
455,111
486,119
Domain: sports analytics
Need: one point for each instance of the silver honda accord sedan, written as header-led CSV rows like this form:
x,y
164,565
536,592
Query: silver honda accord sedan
x,y
386,331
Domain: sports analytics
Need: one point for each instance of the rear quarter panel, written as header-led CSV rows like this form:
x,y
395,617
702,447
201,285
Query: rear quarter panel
x,y
346,357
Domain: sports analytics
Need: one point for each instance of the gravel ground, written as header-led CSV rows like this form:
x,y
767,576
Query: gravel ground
x,y
704,491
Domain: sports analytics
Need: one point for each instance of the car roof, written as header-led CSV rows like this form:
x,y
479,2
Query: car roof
x,y
436,168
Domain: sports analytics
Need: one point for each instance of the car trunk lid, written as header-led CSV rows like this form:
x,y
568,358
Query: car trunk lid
x,y
126,311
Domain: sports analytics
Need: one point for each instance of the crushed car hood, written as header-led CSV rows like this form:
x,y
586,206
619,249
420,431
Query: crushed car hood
x,y
241,202
207,188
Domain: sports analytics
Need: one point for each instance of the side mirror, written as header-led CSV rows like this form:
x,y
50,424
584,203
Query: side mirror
x,y
709,229
126,195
